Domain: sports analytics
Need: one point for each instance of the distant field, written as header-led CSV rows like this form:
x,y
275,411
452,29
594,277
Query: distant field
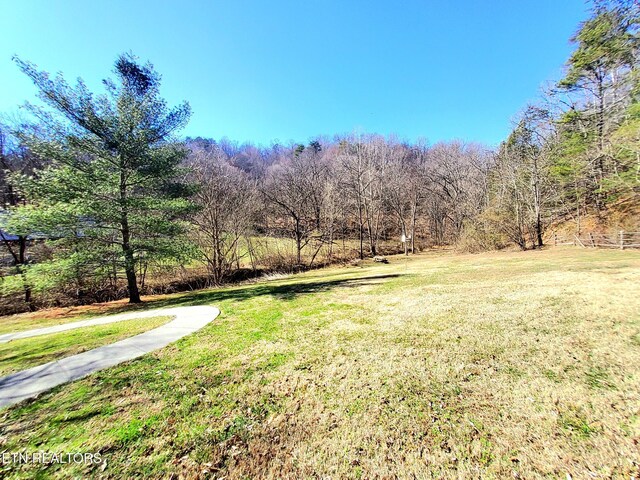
x,y
500,365
265,247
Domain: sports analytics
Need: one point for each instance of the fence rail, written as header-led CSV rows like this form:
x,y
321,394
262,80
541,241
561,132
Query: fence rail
x,y
620,240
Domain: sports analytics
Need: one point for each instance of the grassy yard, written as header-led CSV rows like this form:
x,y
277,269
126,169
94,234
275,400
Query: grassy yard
x,y
519,365
29,352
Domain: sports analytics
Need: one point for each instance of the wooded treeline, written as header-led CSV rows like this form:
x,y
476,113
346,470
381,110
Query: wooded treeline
x,y
251,210
364,189
102,200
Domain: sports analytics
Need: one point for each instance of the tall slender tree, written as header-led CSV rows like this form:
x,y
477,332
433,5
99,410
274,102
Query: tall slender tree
x,y
113,181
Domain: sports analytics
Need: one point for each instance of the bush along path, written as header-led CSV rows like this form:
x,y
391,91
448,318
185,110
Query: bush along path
x,y
33,381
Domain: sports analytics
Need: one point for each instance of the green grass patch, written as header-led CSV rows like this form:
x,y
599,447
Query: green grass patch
x,y
434,366
24,353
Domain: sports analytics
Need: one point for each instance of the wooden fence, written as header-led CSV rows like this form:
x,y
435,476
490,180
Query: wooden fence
x,y
620,240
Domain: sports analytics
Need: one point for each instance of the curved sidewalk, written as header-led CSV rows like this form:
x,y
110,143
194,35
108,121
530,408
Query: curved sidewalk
x,y
33,381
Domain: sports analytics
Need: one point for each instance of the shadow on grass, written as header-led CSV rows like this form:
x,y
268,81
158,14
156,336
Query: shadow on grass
x,y
281,292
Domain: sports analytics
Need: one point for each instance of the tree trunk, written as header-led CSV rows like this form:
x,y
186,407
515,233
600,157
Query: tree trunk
x,y
539,232
600,159
25,283
20,260
129,268
413,223
370,234
298,242
360,231
129,261
537,202
405,244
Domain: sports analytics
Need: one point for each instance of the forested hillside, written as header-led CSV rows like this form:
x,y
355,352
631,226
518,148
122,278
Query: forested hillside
x,y
102,199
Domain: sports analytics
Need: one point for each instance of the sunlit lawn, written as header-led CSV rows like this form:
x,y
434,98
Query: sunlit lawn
x,y
28,352
519,365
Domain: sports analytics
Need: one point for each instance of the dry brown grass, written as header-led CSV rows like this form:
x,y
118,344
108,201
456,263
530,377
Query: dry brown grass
x,y
518,365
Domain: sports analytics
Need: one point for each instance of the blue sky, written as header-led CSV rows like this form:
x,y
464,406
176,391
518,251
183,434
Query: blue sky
x,y
292,70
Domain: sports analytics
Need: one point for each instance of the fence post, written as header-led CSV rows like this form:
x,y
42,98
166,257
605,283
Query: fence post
x,y
555,239
593,244
621,239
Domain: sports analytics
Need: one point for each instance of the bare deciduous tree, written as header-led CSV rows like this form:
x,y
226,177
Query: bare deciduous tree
x,y
228,202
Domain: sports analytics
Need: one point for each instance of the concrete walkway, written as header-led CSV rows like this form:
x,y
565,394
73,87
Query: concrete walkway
x,y
33,381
